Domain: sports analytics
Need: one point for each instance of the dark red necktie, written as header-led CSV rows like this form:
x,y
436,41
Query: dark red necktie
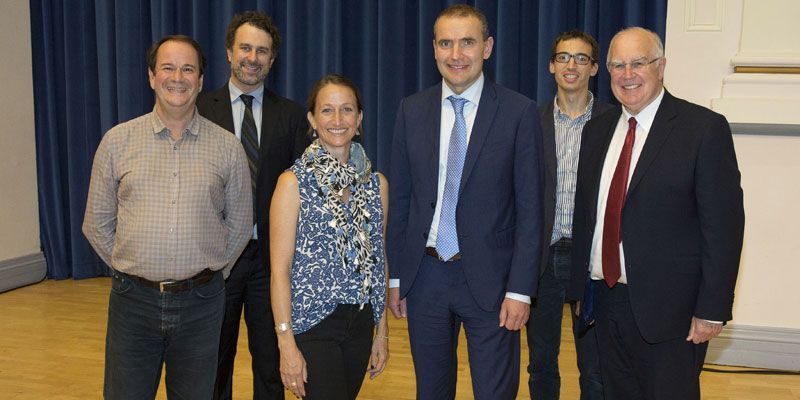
x,y
616,200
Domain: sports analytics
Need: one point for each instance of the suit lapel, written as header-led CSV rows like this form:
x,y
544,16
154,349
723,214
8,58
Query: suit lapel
x,y
223,113
662,126
480,129
596,159
549,142
269,113
431,135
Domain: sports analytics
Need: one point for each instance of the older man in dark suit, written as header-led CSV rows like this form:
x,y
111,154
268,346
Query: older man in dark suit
x,y
658,224
273,133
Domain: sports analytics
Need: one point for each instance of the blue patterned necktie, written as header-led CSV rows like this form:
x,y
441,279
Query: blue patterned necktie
x,y
447,236
249,135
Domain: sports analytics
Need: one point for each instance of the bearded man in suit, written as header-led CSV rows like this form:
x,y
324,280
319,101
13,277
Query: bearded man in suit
x,y
273,133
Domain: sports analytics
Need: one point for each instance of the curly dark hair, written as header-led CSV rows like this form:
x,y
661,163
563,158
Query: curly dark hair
x,y
259,20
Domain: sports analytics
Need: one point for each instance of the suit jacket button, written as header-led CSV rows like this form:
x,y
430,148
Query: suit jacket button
x,y
433,205
424,235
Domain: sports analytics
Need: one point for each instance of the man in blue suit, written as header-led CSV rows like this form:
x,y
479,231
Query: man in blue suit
x,y
465,219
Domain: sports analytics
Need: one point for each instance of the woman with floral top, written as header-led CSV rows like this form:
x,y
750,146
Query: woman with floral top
x,y
328,279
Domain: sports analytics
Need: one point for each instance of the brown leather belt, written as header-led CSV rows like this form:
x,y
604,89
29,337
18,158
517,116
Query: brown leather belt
x,y
170,286
431,251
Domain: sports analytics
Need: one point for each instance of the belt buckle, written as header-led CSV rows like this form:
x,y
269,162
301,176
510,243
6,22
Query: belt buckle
x,y
163,285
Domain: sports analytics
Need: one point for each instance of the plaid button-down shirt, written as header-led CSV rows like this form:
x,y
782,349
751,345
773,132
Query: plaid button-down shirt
x,y
165,209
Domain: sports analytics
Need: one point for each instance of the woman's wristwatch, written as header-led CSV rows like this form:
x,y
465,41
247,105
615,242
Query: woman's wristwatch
x,y
283,327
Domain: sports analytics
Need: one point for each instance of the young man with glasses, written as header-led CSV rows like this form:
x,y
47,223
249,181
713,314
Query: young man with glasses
x,y
572,64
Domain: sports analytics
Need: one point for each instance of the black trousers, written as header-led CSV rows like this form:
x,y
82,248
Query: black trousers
x,y
337,352
247,288
634,369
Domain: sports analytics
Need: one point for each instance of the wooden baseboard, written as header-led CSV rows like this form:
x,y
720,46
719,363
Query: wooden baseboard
x,y
756,346
21,271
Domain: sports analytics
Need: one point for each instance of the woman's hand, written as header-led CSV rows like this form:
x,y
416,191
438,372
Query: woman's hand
x,y
293,370
379,357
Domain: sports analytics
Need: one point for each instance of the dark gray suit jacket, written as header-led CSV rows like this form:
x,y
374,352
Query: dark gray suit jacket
x,y
284,130
682,222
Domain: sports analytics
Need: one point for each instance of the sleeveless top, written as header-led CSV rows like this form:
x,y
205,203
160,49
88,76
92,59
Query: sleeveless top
x,y
320,279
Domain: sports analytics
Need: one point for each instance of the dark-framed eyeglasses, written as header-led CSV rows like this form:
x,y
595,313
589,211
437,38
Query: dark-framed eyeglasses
x,y
580,58
636,65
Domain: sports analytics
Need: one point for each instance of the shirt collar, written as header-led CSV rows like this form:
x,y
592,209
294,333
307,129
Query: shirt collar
x,y
645,117
557,111
160,129
235,92
472,94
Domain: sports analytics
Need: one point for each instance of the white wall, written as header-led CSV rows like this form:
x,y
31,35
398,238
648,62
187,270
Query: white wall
x,y
19,216
767,293
703,37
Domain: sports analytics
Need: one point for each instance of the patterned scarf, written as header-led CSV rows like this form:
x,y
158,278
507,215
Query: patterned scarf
x,y
352,239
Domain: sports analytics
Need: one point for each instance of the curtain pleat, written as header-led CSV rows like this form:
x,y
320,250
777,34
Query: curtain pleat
x,y
90,73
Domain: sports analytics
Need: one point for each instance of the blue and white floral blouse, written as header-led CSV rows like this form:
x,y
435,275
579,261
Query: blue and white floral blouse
x,y
319,278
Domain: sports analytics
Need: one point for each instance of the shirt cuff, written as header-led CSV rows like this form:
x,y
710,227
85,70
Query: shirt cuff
x,y
394,283
517,297
713,322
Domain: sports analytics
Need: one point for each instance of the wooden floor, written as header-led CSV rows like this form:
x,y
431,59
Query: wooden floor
x,y
52,338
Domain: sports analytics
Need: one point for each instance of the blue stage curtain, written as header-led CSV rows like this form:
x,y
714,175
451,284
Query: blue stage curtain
x,y
89,72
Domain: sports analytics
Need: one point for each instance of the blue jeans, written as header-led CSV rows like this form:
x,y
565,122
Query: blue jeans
x,y
544,334
148,329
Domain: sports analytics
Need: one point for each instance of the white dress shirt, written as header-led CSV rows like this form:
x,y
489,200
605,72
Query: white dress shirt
x,y
473,96
644,120
237,106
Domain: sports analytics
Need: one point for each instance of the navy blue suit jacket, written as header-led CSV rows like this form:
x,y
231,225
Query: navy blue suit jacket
x,y
682,222
499,212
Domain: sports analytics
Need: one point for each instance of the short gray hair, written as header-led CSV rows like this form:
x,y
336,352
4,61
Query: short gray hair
x,y
658,45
